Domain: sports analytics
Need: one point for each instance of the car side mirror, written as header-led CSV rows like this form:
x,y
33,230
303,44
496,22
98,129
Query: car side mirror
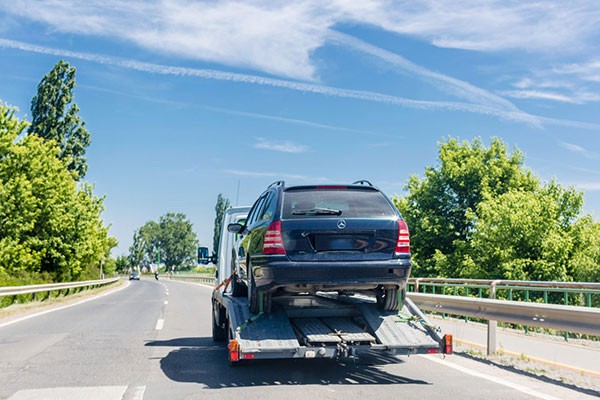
x,y
235,228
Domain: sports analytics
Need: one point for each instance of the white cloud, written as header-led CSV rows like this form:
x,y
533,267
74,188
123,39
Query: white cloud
x,y
540,95
589,71
588,186
280,37
283,147
575,148
568,83
277,175
452,85
363,95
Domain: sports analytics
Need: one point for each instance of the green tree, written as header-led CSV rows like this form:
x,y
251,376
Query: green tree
x,y
439,208
55,117
220,207
172,238
585,262
523,235
50,227
178,242
146,243
122,264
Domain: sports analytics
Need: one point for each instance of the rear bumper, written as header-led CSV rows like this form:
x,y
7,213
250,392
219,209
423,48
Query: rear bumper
x,y
332,275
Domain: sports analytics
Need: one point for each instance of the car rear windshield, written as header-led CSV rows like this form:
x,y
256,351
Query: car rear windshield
x,y
347,203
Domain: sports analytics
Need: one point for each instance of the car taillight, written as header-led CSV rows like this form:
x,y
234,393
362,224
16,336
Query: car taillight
x,y
273,243
403,243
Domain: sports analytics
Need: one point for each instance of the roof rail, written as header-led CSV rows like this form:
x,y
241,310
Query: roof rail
x,y
362,182
278,183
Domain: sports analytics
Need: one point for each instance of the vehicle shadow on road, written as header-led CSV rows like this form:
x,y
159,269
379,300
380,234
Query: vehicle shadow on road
x,y
203,361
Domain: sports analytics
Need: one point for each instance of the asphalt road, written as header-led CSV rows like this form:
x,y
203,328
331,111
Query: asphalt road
x,y
152,340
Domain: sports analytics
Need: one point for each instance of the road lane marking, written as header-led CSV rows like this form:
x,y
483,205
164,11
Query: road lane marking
x,y
166,302
127,283
134,393
73,393
500,381
159,324
533,358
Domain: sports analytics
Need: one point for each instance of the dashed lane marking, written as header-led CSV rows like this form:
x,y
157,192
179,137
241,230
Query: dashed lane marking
x,y
159,324
166,302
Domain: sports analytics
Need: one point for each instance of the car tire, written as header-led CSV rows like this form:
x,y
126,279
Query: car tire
x,y
252,293
387,299
254,296
238,289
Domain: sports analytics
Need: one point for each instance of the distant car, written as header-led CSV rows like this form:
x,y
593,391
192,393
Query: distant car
x,y
344,238
134,275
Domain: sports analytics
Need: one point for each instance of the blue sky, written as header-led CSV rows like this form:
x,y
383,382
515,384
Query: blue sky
x,y
186,99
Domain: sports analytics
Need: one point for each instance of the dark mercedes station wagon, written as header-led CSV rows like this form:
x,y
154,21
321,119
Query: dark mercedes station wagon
x,y
334,238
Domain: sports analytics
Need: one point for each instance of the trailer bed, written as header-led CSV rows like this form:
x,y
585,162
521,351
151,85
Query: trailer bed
x,y
324,326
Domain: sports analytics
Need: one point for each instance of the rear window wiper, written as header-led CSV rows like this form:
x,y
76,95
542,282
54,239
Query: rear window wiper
x,y
317,211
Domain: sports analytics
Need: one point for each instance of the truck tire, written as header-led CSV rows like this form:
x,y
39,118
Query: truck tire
x,y
218,333
387,299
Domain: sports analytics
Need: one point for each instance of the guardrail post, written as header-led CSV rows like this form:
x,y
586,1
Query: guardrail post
x,y
417,284
492,325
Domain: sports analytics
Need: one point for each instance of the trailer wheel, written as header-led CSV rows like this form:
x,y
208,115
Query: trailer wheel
x,y
387,299
218,333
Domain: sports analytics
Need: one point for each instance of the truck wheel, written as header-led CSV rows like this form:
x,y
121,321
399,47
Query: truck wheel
x,y
387,299
218,333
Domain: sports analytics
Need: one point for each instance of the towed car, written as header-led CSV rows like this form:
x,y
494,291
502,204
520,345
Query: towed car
x,y
336,238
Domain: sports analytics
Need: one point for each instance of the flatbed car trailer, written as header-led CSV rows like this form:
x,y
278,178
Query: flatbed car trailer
x,y
324,325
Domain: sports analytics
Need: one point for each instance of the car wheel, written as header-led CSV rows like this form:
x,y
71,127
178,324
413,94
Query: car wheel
x,y
387,299
255,297
252,293
238,289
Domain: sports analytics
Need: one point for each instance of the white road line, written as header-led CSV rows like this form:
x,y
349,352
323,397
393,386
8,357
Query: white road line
x,y
166,302
159,324
127,283
134,393
500,381
73,393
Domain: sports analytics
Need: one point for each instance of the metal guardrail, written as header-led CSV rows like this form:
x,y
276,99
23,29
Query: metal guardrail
x,y
553,316
209,280
31,289
586,289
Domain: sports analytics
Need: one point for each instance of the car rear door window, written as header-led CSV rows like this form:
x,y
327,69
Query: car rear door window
x,y
345,203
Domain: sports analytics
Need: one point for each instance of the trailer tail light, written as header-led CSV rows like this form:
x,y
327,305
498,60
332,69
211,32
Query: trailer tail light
x,y
249,356
234,350
447,344
403,243
432,351
273,243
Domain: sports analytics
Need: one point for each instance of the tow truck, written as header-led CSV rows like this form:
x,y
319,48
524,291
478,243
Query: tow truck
x,y
320,325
